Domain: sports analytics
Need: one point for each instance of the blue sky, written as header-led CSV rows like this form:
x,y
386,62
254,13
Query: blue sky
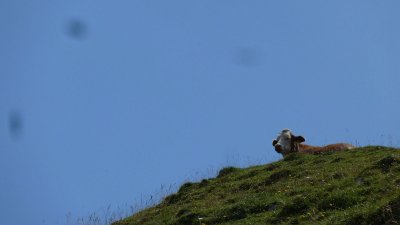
x,y
103,102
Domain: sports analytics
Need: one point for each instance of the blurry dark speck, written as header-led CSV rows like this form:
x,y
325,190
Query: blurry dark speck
x,y
76,29
15,124
247,56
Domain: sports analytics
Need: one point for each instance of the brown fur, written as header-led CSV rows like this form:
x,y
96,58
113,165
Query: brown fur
x,y
303,148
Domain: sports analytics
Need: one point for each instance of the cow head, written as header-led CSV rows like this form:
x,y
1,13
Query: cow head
x,y
287,142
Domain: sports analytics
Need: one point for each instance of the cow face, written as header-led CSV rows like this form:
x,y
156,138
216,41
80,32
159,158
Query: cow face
x,y
286,142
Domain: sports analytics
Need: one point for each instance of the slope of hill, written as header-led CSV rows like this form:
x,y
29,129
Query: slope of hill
x,y
359,186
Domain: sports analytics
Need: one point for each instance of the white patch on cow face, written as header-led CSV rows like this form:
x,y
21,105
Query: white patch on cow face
x,y
284,142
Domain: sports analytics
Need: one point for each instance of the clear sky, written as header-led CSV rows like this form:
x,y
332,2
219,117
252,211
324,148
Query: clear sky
x,y
102,102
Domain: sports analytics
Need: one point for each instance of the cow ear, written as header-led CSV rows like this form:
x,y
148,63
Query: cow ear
x,y
299,139
274,142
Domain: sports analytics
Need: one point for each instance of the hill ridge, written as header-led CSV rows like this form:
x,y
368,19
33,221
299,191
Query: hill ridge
x,y
360,186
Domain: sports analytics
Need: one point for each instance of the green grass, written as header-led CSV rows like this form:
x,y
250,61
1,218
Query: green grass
x,y
359,186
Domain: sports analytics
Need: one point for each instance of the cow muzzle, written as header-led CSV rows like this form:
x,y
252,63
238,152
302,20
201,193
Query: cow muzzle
x,y
278,148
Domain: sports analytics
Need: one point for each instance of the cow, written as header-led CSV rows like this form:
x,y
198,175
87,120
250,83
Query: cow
x,y
287,143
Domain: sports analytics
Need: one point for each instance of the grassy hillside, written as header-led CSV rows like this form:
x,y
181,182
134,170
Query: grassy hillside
x,y
359,186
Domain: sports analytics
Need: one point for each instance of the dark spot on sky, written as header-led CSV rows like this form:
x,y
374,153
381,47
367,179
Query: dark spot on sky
x,y
77,29
15,124
247,56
